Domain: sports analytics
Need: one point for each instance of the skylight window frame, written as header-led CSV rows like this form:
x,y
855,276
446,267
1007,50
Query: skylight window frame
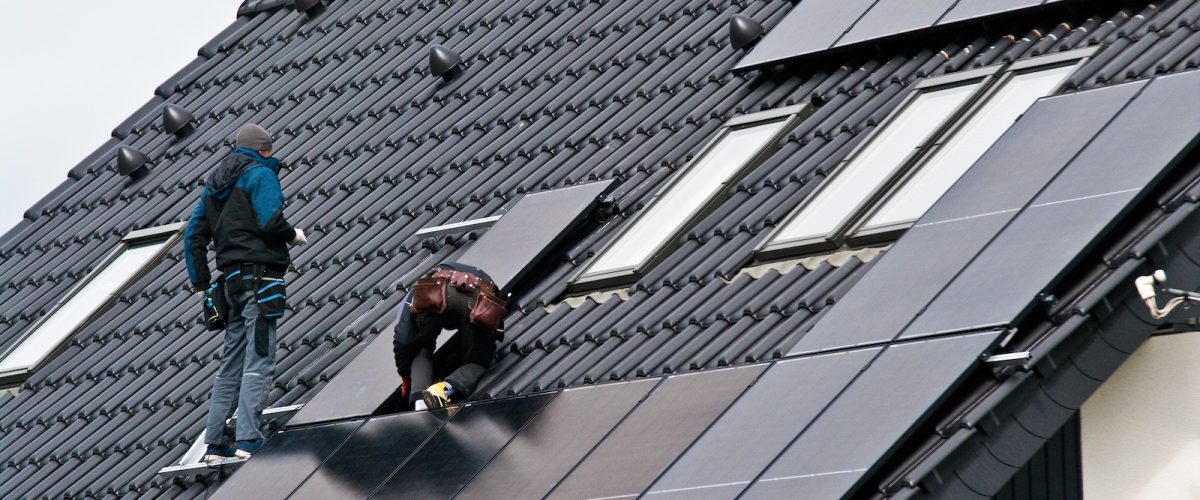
x,y
770,249
849,231
859,234
582,280
169,234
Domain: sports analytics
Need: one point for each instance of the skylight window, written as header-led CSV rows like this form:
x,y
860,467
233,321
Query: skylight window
x,y
915,155
739,145
84,301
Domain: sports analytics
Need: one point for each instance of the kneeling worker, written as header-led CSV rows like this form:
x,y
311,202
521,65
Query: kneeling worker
x,y
450,296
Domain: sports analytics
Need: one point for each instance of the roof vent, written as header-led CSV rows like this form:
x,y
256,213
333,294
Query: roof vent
x,y
443,60
177,120
132,162
743,30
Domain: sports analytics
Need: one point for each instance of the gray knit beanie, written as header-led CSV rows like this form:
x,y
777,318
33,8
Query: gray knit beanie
x,y
254,137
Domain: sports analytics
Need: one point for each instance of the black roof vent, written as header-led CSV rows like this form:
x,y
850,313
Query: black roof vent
x,y
743,30
177,120
310,7
443,60
132,162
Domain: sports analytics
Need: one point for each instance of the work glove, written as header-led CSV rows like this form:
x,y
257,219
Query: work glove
x,y
299,239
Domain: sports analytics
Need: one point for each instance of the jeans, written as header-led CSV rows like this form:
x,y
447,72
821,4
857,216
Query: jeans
x,y
247,367
461,362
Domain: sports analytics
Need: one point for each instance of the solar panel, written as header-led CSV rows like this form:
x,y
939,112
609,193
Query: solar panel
x,y
892,17
1151,133
966,10
1065,220
284,461
874,414
1031,152
811,26
777,407
657,431
356,391
474,435
546,450
966,218
1007,276
372,452
530,230
814,26
901,283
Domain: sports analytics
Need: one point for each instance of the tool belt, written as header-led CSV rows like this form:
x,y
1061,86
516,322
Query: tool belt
x,y
267,283
430,295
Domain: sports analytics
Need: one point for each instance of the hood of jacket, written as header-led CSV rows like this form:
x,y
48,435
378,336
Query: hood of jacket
x,y
223,178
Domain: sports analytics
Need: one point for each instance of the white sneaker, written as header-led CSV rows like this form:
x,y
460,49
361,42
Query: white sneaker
x,y
420,405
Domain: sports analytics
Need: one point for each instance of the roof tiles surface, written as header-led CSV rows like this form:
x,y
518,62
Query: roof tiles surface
x,y
552,93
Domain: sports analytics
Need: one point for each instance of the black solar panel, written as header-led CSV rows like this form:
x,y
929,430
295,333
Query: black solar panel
x,y
1160,125
373,452
814,26
546,450
1031,152
973,9
785,399
530,230
461,448
1071,213
864,425
811,26
365,383
1006,277
891,17
657,431
284,461
902,283
966,218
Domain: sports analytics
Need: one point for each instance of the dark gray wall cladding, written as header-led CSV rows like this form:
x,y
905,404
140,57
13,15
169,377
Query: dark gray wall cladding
x,y
965,219
657,431
811,26
871,417
971,9
1090,195
285,460
531,229
889,17
554,93
372,453
449,459
556,440
739,445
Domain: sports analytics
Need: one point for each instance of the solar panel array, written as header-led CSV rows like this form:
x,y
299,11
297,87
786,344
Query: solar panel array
x,y
815,26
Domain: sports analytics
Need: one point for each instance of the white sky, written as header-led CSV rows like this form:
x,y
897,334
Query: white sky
x,y
94,61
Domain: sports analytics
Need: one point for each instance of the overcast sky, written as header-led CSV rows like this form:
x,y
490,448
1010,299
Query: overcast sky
x,y
95,61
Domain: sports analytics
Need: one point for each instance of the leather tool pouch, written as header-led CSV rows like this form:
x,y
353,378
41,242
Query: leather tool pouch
x,y
488,312
271,294
216,309
429,295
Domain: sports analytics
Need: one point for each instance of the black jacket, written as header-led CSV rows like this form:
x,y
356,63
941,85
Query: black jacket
x,y
241,212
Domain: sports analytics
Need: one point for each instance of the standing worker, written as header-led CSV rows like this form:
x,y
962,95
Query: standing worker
x,y
450,296
241,212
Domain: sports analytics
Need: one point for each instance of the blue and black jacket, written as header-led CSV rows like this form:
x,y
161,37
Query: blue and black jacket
x,y
241,212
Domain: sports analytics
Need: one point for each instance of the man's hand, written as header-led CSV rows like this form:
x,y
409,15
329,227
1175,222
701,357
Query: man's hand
x,y
299,239
202,296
